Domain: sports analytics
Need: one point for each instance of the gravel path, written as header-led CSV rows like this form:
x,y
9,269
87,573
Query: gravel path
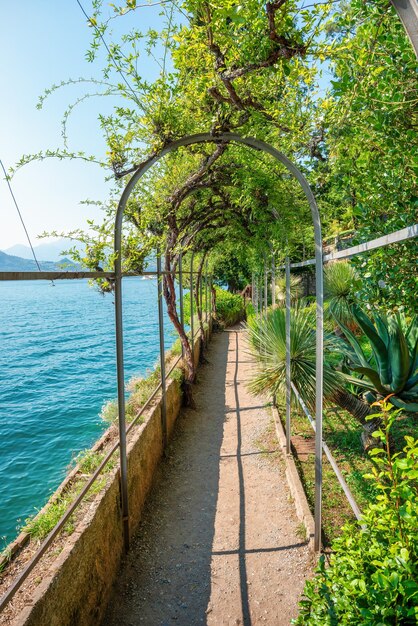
x,y
218,543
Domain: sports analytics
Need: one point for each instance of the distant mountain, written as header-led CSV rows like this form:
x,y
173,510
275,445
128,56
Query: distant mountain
x,y
10,263
50,252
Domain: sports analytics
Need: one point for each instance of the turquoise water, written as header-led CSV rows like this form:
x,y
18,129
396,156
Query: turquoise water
x,y
57,368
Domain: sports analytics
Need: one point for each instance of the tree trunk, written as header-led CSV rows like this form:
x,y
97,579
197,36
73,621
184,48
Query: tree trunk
x,y
360,410
202,358
170,298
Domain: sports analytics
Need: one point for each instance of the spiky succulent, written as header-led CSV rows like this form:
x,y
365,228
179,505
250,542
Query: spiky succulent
x,y
393,366
267,341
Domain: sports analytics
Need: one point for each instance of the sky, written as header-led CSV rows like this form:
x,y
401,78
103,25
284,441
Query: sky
x,y
43,43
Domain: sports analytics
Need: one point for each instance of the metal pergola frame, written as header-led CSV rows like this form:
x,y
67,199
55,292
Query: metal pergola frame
x,y
262,146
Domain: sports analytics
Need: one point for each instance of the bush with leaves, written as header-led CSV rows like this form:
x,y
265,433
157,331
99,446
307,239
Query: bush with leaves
x,y
229,307
372,577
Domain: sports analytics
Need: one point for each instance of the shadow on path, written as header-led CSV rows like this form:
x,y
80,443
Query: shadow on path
x,y
166,578
218,543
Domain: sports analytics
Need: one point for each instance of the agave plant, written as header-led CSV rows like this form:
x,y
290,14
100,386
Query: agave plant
x,y
393,367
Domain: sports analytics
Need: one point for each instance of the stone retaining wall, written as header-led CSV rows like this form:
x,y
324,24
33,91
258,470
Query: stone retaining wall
x,y
76,587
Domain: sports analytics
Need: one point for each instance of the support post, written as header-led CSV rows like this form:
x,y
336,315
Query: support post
x,y
265,287
181,296
201,294
206,293
252,289
191,303
260,293
273,280
288,377
123,462
162,352
319,395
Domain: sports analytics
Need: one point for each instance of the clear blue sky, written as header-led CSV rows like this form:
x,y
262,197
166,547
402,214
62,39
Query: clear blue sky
x,y
42,43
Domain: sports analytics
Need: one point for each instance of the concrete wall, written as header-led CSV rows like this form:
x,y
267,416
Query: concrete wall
x,y
77,585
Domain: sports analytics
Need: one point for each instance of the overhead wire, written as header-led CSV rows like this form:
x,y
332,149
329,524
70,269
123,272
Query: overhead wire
x,y
20,214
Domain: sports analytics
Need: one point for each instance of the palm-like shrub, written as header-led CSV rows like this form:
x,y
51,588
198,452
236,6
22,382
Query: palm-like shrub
x,y
393,366
295,288
267,341
340,284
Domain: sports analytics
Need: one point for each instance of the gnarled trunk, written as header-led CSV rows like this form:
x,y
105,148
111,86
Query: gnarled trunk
x,y
200,309
170,298
360,410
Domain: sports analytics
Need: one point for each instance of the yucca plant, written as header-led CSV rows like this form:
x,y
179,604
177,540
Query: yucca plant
x,y
393,366
295,288
340,284
267,341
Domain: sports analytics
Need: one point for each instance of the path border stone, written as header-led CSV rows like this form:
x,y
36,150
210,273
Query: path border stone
x,y
303,511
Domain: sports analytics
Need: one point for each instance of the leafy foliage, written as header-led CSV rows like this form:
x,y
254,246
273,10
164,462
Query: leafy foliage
x,y
295,288
254,68
393,368
373,572
229,307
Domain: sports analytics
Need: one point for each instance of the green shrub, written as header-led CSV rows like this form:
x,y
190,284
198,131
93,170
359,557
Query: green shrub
x,y
229,307
373,573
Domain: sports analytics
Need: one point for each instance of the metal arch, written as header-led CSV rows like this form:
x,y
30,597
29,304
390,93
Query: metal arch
x,y
407,11
257,144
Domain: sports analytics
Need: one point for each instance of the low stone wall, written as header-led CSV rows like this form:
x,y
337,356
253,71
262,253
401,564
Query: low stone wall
x,y
76,587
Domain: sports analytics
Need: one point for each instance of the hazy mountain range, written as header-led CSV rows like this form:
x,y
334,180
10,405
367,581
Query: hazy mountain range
x,y
51,251
19,258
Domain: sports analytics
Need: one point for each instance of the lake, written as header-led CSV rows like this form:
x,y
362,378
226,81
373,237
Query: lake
x,y
57,369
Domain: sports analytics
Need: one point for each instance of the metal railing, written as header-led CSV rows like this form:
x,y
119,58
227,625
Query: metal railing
x,y
320,446
161,387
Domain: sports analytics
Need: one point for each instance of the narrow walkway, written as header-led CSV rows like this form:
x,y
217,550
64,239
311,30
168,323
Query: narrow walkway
x,y
218,543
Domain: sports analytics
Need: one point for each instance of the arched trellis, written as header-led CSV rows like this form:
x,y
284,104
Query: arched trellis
x,y
256,144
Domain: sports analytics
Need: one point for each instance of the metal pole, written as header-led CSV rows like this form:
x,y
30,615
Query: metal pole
x,y
288,377
181,296
265,286
260,303
162,352
319,393
407,11
201,294
191,301
211,300
121,392
252,289
206,293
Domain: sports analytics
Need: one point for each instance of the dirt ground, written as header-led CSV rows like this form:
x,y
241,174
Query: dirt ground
x,y
219,542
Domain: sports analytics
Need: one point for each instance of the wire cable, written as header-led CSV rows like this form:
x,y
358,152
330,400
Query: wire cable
x,y
20,214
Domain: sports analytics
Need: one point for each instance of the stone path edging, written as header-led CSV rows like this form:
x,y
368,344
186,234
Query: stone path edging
x,y
303,511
